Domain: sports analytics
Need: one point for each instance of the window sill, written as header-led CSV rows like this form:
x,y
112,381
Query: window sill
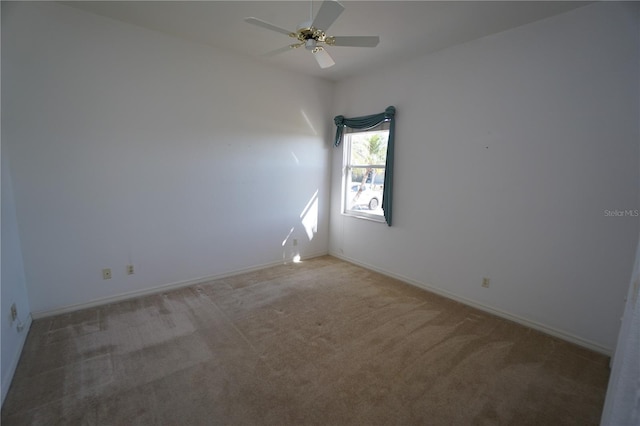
x,y
365,216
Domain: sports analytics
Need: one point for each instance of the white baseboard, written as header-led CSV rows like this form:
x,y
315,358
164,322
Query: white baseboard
x,y
511,317
172,286
162,288
6,380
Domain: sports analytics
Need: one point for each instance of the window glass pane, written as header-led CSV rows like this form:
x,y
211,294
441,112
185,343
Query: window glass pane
x,y
369,148
365,196
364,173
372,177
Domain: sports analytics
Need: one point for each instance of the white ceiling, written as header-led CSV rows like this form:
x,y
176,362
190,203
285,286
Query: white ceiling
x,y
406,28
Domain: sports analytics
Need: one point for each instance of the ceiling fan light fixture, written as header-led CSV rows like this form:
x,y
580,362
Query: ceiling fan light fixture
x,y
322,57
310,44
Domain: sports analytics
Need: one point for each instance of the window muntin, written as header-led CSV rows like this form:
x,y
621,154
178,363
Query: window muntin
x,y
365,154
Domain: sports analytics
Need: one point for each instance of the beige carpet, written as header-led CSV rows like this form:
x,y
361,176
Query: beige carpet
x,y
321,342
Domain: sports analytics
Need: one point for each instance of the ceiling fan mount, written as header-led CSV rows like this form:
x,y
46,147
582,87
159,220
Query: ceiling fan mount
x,y
311,34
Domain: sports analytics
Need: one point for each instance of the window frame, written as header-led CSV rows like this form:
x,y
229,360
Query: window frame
x,y
347,166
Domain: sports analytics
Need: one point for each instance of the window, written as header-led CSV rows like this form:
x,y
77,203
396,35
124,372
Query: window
x,y
365,154
363,168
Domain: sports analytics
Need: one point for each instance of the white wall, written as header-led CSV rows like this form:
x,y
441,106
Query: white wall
x,y
129,146
508,151
13,289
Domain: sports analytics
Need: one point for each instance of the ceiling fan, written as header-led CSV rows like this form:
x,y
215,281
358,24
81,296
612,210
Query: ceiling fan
x,y
311,34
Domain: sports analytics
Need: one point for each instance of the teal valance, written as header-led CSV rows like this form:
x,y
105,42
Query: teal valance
x,y
369,122
363,123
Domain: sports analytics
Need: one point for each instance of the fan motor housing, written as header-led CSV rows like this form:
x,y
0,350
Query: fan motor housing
x,y
306,33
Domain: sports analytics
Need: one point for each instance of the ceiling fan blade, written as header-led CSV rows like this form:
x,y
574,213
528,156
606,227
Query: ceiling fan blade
x,y
263,24
356,41
282,50
328,13
323,58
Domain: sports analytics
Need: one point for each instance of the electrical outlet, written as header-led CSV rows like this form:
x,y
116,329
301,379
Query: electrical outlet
x,y
485,282
130,270
14,312
106,274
